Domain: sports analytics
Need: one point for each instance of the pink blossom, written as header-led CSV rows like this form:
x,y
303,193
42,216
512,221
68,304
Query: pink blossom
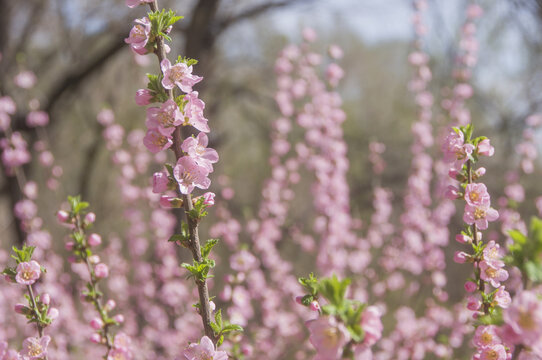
x,y
460,257
35,348
463,239
470,286
122,341
96,323
143,97
197,149
473,303
515,192
328,337
193,112
90,218
62,216
452,145
7,105
101,271
502,298
165,118
94,239
25,209
494,275
106,117
179,74
28,272
476,194
25,79
156,142
371,325
493,254
335,52
309,35
486,336
204,350
484,148
243,261
493,352
189,175
119,354
139,35
524,316
474,11
479,215
334,73
37,118
160,182
209,198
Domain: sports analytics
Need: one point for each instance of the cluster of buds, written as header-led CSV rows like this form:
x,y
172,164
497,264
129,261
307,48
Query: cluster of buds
x,y
80,246
38,309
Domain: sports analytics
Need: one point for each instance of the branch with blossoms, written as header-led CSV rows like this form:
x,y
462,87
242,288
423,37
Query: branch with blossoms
x,y
118,347
38,311
180,108
487,258
345,328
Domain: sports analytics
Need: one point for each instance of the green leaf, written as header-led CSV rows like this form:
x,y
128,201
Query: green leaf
x,y
220,341
231,327
218,318
206,249
334,290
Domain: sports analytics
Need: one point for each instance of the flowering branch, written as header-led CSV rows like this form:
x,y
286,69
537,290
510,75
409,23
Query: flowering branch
x,y
194,160
79,220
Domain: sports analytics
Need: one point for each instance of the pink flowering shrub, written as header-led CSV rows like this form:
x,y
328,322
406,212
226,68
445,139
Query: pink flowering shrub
x,y
157,288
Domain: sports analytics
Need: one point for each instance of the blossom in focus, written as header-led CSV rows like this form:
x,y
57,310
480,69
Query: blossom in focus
x,y
35,348
28,272
328,337
189,175
139,35
178,75
205,350
197,149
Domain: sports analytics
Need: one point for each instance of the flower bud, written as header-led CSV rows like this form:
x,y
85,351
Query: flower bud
x,y
314,306
69,245
94,259
94,239
96,338
298,299
21,309
96,323
209,198
62,216
463,239
101,271
470,286
460,257
143,97
110,305
119,318
90,218
45,299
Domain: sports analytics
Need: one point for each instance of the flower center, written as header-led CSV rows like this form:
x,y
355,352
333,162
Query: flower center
x,y
200,150
159,140
27,274
139,32
165,119
492,355
188,177
486,338
331,337
479,213
176,73
35,349
474,196
491,272
526,320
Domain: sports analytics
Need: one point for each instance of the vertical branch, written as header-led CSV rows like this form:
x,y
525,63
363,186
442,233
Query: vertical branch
x,y
195,247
